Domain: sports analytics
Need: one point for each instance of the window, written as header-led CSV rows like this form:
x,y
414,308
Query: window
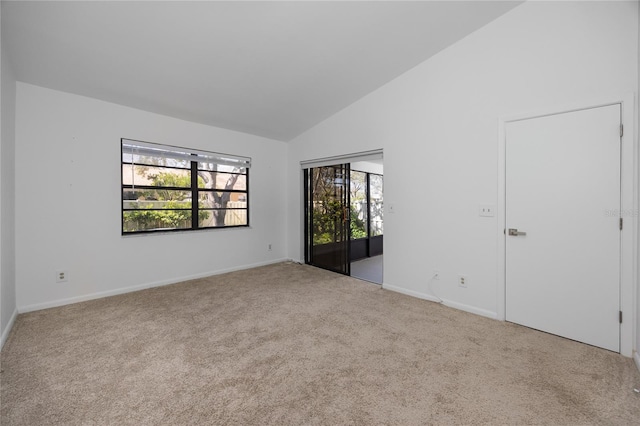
x,y
359,202
366,204
376,206
160,184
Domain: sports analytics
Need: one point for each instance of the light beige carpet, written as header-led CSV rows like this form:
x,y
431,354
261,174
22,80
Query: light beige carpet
x,y
291,344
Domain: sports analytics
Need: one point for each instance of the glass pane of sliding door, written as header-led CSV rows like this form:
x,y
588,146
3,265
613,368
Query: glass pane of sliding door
x,y
327,217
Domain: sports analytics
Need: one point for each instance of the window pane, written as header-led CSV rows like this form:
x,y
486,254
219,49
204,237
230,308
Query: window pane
x,y
222,217
217,180
155,205
222,200
147,220
156,196
358,210
155,176
210,167
127,157
375,189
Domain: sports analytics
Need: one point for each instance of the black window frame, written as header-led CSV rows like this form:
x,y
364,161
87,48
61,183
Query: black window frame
x,y
193,187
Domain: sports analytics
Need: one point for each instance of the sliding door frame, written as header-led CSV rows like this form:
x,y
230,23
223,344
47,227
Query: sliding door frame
x,y
335,250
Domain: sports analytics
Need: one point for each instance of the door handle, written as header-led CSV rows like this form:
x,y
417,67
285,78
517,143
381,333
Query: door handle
x,y
515,233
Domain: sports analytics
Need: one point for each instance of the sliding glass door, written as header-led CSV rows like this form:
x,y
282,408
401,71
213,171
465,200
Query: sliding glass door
x,y
327,217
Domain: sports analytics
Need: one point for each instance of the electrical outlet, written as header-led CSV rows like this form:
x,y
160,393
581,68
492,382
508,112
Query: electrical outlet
x,y
463,281
62,276
487,210
436,274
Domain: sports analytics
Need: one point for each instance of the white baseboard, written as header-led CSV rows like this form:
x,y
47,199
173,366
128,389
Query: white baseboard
x,y
471,309
413,293
8,328
101,294
449,303
636,358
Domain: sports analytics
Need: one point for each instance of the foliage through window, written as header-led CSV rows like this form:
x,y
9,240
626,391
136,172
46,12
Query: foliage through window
x,y
160,184
366,204
358,209
327,204
376,204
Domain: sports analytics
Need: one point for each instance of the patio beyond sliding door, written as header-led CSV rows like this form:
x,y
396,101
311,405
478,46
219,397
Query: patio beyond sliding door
x,y
327,217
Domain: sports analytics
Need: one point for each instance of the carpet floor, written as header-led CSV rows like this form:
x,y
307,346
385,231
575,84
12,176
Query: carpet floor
x,y
291,344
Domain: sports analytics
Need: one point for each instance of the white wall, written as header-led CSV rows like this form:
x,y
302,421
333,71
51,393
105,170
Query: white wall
x,y
7,195
637,343
68,201
438,127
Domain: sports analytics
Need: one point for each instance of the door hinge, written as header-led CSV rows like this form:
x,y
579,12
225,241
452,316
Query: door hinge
x,y
621,224
621,129
620,317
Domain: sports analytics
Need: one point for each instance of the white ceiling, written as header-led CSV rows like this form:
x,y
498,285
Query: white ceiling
x,y
273,69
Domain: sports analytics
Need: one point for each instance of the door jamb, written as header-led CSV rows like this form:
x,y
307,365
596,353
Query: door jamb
x,y
629,155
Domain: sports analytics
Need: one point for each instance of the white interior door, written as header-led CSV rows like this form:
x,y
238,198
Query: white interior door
x,y
563,191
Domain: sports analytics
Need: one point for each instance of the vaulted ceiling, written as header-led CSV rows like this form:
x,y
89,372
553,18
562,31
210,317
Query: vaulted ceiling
x,y
273,69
